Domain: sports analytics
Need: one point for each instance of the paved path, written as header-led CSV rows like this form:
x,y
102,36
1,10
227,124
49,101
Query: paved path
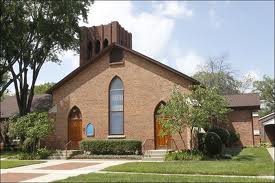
x,y
271,151
53,170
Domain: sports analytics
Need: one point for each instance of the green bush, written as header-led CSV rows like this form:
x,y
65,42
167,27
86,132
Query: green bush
x,y
118,147
28,156
233,138
184,155
43,153
213,143
223,134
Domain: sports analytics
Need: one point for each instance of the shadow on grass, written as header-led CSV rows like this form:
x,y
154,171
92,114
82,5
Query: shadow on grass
x,y
233,151
245,158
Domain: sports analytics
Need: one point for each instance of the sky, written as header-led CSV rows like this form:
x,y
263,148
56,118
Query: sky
x,y
183,35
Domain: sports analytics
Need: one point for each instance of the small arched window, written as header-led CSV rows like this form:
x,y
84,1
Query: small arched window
x,y
116,107
105,43
89,50
75,114
97,46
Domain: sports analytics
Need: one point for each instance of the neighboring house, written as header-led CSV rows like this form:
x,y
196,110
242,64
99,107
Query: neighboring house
x,y
116,92
244,117
267,125
9,108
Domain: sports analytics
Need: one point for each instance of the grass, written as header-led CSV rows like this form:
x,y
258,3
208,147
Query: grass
x,y
120,177
9,154
250,161
4,164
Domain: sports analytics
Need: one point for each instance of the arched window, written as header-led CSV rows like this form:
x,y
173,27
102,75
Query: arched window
x,y
89,50
116,108
75,114
105,43
97,46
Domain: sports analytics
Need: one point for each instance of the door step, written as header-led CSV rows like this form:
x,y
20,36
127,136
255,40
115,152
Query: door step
x,y
155,155
61,154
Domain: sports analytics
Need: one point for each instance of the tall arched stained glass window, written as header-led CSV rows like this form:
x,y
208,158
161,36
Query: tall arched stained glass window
x,y
116,107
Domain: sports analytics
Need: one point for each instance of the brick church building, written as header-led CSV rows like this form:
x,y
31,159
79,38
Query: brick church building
x,y
116,91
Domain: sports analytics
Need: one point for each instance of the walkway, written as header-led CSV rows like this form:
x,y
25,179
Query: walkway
x,y
53,170
271,151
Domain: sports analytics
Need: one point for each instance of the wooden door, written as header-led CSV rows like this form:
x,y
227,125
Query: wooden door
x,y
161,142
75,133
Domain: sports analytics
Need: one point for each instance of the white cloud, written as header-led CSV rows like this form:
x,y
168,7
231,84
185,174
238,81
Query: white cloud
x,y
151,30
215,20
188,63
173,9
253,74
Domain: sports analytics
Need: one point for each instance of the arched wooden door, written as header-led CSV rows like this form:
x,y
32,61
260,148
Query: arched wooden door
x,y
74,128
160,141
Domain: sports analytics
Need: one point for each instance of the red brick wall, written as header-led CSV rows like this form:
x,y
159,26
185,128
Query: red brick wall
x,y
145,85
241,121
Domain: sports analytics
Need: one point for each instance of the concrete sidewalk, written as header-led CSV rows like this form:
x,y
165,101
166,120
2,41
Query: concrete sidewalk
x,y
53,170
271,151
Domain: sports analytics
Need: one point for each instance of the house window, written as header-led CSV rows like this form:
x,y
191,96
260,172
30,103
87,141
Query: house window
x,y
97,46
116,119
105,43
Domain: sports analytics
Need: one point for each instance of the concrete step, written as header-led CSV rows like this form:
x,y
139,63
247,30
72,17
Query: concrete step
x,y
62,154
155,155
153,159
160,152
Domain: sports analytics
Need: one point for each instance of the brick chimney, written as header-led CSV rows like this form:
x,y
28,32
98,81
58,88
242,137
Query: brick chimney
x,y
96,38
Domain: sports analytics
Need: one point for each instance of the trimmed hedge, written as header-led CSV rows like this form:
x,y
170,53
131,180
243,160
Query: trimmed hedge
x,y
223,134
116,147
233,138
213,143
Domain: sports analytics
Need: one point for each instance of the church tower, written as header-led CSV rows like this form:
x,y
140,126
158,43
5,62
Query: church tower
x,y
96,38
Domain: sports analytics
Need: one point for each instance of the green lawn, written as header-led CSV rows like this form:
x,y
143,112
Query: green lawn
x,y
8,154
99,177
4,164
250,161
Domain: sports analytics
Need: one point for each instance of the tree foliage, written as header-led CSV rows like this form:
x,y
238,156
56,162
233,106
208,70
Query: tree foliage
x,y
266,89
201,108
43,88
216,73
30,129
33,33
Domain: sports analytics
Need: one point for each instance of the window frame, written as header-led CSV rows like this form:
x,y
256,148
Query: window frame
x,y
109,107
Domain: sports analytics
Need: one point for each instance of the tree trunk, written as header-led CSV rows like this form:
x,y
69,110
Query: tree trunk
x,y
182,139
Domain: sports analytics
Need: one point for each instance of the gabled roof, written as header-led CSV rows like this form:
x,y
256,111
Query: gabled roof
x,y
251,100
267,117
110,47
9,105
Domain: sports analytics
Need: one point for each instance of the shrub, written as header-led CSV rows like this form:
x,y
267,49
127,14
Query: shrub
x,y
28,156
222,133
43,153
233,137
213,143
265,144
184,155
118,147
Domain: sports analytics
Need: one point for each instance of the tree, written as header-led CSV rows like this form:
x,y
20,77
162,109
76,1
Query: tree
x,y
266,89
216,73
43,88
30,129
173,115
33,33
208,108
201,108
